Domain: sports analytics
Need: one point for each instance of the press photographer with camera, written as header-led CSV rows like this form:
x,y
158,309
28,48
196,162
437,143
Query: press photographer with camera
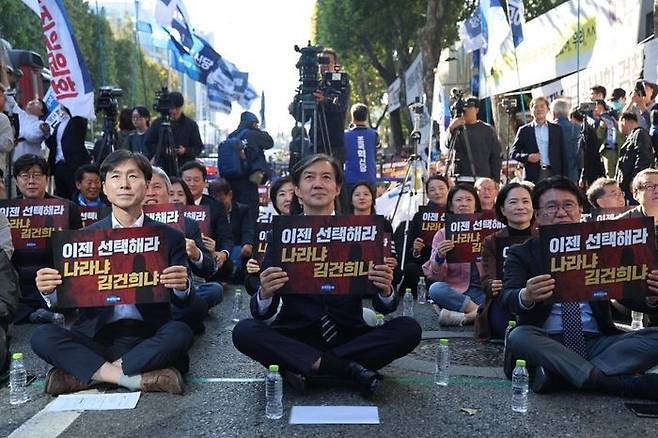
x,y
474,143
187,142
323,101
642,101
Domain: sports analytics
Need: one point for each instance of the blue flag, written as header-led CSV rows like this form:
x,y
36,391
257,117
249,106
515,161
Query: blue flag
x,y
516,11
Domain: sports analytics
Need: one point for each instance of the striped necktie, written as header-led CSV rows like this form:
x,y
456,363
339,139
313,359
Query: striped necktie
x,y
329,329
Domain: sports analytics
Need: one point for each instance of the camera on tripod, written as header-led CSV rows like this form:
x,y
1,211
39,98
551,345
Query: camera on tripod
x,y
162,102
457,108
508,104
107,100
308,66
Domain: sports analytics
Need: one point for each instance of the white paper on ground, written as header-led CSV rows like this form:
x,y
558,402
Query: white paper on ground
x,y
334,415
95,402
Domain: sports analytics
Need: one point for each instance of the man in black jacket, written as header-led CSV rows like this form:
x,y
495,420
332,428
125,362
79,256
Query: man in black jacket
x,y
187,139
539,145
245,189
636,153
323,334
67,153
576,341
31,177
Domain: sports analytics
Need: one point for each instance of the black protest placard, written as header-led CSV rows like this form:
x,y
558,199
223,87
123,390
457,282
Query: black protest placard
x,y
468,231
33,221
106,267
328,254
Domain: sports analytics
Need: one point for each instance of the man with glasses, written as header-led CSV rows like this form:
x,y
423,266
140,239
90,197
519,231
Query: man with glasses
x,y
31,175
577,342
605,193
635,154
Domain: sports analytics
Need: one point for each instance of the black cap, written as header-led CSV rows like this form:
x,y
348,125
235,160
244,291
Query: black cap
x,y
472,102
176,99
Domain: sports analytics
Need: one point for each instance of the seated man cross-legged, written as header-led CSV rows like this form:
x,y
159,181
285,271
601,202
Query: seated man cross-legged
x,y
323,334
575,341
134,346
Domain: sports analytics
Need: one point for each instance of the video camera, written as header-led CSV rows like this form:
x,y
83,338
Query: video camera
x,y
332,83
107,100
508,104
457,108
162,102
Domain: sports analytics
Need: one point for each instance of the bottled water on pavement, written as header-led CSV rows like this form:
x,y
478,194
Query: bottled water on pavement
x,y
422,291
637,322
380,319
17,380
273,394
520,387
442,372
408,303
237,306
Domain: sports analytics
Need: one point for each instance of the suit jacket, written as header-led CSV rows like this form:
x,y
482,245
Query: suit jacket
x,y
302,311
208,265
635,155
73,144
219,224
92,319
524,262
242,227
525,144
457,275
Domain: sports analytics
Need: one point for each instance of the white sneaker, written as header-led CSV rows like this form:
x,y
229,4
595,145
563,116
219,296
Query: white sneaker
x,y
451,318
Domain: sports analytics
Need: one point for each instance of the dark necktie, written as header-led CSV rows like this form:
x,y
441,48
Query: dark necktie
x,y
572,329
329,329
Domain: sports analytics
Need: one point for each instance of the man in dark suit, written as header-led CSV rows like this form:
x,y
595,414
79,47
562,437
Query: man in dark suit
x,y
201,261
31,178
220,243
67,153
539,145
575,341
323,334
138,347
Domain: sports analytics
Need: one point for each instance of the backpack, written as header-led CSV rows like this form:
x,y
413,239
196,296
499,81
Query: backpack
x,y
230,157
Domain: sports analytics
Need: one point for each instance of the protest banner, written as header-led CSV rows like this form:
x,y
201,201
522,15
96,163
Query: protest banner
x,y
502,245
198,213
105,267
328,254
432,219
599,260
32,221
167,214
262,228
468,231
606,214
91,215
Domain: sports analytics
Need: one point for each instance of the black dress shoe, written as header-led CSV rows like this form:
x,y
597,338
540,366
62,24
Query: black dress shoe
x,y
296,381
543,381
367,380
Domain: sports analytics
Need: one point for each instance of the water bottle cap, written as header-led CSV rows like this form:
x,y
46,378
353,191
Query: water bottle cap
x,y
380,316
443,341
274,368
407,290
511,324
422,279
17,356
520,363
238,291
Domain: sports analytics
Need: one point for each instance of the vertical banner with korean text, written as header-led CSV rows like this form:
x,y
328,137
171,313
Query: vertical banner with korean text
x,y
328,254
599,260
106,267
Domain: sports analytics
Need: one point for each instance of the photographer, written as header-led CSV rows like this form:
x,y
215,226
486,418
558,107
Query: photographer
x,y
187,140
483,158
642,102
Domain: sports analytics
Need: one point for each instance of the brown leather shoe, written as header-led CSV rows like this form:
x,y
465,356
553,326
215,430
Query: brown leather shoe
x,y
59,381
164,380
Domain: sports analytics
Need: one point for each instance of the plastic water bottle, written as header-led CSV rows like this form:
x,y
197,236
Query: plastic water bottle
x,y
17,380
520,387
422,291
237,305
380,319
273,394
637,322
510,326
408,303
442,373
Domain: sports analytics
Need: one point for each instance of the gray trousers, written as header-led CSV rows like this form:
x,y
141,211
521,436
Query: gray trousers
x,y
627,353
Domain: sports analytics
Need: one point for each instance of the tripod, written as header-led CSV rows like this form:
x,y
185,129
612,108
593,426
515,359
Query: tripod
x,y
108,142
165,157
308,108
459,132
510,109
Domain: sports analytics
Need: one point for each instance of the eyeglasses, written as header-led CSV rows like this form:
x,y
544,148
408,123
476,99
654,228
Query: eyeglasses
x,y
30,176
552,209
648,187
